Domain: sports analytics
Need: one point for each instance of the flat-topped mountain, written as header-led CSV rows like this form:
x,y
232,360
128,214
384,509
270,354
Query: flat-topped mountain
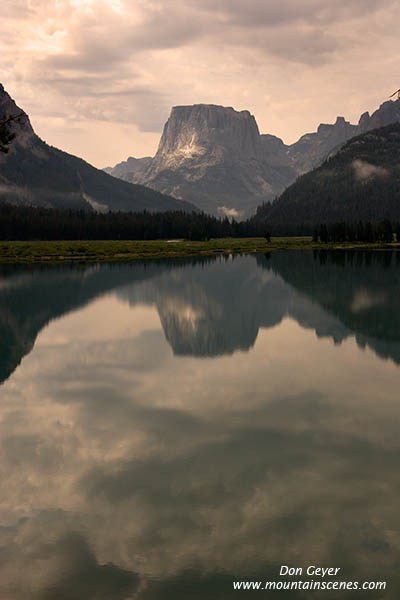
x,y
207,131
33,173
215,157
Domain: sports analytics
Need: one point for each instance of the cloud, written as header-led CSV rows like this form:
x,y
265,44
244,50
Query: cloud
x,y
364,171
230,212
129,61
364,300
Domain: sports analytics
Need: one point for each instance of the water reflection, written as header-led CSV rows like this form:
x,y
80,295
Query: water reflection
x,y
135,470
210,307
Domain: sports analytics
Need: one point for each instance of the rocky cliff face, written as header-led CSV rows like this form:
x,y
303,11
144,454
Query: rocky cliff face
x,y
387,113
33,173
213,154
313,148
216,158
207,132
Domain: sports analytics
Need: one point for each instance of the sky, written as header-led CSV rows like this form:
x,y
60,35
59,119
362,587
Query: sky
x,y
98,78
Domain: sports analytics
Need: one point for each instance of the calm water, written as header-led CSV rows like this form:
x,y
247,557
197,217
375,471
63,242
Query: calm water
x,y
169,428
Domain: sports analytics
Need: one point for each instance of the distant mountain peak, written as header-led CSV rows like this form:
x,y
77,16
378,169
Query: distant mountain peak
x,y
387,113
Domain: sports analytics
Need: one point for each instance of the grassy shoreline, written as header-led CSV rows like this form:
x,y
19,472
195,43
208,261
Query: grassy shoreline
x,y
125,250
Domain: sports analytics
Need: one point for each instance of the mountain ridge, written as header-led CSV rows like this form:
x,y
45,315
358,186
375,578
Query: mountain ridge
x,y
34,173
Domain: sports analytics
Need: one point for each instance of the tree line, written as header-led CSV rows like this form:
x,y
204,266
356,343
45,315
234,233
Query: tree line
x,y
35,223
6,136
384,231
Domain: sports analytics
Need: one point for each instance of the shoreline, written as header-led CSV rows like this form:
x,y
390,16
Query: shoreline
x,y
127,250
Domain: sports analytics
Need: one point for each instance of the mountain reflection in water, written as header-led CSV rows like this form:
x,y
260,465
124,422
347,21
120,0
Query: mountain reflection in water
x,y
133,469
214,306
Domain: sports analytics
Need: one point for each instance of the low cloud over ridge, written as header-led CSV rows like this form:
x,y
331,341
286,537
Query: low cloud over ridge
x,y
364,170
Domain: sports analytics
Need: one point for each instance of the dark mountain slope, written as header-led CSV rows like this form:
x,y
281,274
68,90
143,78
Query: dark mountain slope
x,y
360,182
33,173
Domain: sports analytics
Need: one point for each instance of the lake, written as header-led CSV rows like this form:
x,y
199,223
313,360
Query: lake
x,y
171,427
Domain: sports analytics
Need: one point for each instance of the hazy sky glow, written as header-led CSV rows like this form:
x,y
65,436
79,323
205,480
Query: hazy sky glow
x,y
98,77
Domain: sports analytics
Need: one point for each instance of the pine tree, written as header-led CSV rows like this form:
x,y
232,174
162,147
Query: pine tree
x,y
323,233
387,231
5,136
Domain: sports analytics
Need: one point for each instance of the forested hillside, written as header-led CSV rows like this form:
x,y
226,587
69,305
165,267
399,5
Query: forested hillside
x,y
359,183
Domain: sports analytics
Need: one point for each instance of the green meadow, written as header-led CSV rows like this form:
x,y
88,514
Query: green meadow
x,y
123,250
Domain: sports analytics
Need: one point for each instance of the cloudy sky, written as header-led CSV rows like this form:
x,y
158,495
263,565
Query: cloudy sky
x,y
98,77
